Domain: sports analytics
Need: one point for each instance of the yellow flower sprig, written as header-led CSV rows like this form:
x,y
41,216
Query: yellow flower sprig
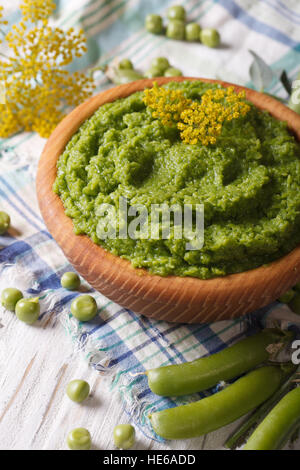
x,y
36,82
2,22
197,121
34,10
167,105
203,121
1,16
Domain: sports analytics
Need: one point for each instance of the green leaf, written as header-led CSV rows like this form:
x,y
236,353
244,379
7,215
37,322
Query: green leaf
x,y
285,82
261,73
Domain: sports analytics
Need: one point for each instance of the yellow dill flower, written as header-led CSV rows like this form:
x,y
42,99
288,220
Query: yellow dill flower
x,y
166,104
9,121
34,10
37,85
2,22
197,121
203,121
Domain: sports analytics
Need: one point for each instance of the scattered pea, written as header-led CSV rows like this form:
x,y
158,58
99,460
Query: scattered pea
x,y
78,390
192,32
70,281
84,307
176,30
294,102
79,439
28,310
287,296
4,222
173,72
124,436
153,72
161,63
294,304
125,64
176,12
9,297
126,76
210,37
154,24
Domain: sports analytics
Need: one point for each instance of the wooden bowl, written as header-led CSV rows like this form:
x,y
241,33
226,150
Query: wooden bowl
x,y
172,298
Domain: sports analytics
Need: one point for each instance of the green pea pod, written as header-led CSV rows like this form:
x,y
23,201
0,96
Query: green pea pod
x,y
277,427
204,373
242,433
222,408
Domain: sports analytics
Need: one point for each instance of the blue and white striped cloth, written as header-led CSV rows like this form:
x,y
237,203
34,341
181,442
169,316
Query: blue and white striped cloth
x,y
119,341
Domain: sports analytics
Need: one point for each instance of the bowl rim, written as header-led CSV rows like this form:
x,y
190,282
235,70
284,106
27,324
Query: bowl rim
x,y
139,281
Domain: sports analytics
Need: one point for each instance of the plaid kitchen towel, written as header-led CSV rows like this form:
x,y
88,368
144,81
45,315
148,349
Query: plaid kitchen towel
x,y
118,341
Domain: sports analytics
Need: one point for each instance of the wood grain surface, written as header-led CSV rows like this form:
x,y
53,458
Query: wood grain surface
x,y
172,298
35,412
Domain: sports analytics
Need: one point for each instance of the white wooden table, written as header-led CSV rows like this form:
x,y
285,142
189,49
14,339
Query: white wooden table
x,y
36,363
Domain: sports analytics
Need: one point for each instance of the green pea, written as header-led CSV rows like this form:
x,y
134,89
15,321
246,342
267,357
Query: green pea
x,y
176,30
274,431
294,101
205,372
173,72
28,310
154,24
176,12
287,296
78,390
161,63
79,439
9,297
210,37
126,76
192,32
84,307
4,222
294,304
221,408
124,436
153,72
70,281
125,64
